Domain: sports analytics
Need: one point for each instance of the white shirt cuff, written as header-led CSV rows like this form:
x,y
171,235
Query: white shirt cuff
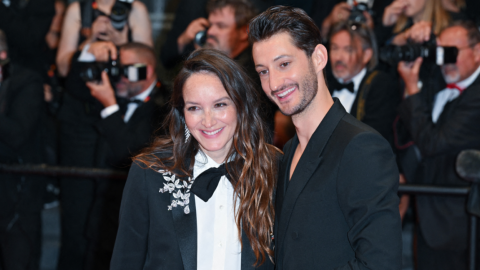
x,y
109,111
85,56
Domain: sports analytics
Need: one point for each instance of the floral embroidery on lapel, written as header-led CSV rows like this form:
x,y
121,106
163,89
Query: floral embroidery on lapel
x,y
182,195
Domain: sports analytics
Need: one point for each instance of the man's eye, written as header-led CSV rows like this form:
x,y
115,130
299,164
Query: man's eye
x,y
284,64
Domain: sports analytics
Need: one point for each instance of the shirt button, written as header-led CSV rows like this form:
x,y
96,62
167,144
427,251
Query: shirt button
x,y
221,207
221,245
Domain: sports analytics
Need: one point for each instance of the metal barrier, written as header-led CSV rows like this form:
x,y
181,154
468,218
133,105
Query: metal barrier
x,y
62,171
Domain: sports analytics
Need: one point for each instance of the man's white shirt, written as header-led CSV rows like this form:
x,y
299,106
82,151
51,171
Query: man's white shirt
x,y
346,97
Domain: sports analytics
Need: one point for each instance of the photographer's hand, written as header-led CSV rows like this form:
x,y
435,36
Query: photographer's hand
x,y
189,34
393,12
102,50
409,72
340,12
420,32
103,91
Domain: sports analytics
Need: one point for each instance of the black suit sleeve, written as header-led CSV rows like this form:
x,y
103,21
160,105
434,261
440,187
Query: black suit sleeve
x,y
124,140
26,107
458,132
131,244
381,105
369,202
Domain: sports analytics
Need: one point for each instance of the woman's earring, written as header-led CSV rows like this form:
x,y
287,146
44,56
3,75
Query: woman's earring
x,y
187,133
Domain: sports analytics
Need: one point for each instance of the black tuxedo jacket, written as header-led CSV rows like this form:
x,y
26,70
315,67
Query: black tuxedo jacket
x,y
340,208
380,104
443,220
152,237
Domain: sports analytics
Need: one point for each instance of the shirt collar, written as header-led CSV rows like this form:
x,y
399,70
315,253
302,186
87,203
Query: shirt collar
x,y
143,95
357,79
468,81
202,163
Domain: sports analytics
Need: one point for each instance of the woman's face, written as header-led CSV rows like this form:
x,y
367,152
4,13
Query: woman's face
x,y
210,114
415,7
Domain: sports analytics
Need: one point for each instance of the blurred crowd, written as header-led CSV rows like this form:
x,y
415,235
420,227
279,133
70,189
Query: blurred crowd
x,y
80,86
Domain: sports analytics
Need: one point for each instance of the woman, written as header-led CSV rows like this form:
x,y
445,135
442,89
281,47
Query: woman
x,y
172,218
416,20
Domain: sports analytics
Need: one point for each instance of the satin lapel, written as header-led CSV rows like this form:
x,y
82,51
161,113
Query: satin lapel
x,y
186,230
308,163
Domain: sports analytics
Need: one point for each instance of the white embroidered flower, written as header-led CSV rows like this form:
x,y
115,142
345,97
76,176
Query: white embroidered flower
x,y
179,188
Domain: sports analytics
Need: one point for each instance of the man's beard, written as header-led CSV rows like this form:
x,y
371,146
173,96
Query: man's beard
x,y
451,78
308,91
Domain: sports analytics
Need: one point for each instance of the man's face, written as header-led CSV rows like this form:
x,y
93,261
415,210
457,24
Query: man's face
x,y
467,60
126,88
347,56
223,33
286,73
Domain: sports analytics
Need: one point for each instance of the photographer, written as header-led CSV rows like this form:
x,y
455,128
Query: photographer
x,y
131,114
370,95
88,26
21,196
440,132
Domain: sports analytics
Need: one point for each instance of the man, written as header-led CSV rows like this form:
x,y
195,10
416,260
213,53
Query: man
x,y
336,201
440,134
369,95
21,196
130,116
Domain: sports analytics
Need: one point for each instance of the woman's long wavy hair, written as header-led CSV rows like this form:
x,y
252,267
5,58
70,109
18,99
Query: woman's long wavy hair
x,y
253,166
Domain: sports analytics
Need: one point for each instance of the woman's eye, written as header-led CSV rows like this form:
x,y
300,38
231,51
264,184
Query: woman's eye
x,y
192,108
220,105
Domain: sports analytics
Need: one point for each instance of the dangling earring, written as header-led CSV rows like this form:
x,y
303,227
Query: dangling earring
x,y
187,133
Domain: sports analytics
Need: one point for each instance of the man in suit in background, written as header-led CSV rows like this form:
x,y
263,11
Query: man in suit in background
x,y
132,114
369,95
336,201
22,111
452,125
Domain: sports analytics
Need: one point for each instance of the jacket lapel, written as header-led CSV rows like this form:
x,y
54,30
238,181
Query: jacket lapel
x,y
186,230
308,163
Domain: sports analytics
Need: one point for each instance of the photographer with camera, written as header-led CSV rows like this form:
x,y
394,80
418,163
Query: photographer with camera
x,y
132,113
370,95
22,111
90,26
440,132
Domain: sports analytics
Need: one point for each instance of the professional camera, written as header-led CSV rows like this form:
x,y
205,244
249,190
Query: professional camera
x,y
358,7
201,38
429,52
93,71
118,15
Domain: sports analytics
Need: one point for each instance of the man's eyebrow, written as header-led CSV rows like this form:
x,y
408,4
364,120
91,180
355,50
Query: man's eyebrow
x,y
274,59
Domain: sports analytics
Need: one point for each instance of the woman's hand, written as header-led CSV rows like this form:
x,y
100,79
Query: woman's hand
x,y
393,12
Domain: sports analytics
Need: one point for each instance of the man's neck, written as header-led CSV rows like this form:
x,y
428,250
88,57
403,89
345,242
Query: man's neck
x,y
307,121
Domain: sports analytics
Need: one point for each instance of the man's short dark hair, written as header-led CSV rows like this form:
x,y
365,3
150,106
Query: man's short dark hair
x,y
364,33
244,9
143,51
294,21
473,33
3,42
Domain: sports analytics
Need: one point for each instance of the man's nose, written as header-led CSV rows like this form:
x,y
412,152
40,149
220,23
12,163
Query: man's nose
x,y
276,80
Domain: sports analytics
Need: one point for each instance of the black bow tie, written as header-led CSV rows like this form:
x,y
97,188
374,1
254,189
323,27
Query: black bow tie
x,y
336,85
123,104
205,184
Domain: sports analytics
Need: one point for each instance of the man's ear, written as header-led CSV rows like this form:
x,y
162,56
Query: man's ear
x,y
367,55
150,71
243,32
319,58
476,53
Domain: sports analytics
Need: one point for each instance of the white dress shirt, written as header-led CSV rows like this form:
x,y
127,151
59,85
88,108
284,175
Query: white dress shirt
x,y
346,97
106,112
448,94
218,245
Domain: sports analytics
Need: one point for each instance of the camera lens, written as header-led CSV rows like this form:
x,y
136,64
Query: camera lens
x,y
200,38
119,16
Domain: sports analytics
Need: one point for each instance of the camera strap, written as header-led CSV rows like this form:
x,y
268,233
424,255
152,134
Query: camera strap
x,y
362,95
